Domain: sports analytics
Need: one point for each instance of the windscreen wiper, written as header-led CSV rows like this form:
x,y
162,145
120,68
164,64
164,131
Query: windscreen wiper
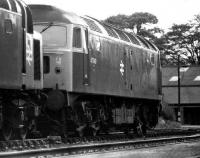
x,y
47,27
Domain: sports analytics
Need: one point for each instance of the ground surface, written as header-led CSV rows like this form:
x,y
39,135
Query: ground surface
x,y
183,150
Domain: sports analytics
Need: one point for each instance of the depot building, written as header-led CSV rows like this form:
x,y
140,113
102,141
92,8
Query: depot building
x,y
183,96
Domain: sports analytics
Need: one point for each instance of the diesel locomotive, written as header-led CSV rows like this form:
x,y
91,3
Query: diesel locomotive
x,y
102,76
77,75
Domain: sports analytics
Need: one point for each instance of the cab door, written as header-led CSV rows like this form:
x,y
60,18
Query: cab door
x,y
80,58
85,57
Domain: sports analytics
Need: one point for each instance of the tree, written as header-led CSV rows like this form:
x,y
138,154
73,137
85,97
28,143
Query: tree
x,y
136,21
196,36
120,21
184,38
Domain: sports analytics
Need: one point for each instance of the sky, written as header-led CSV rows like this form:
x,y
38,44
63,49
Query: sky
x,y
168,12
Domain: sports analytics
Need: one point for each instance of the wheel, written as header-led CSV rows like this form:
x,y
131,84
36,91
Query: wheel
x,y
22,133
138,130
7,131
126,131
80,130
95,131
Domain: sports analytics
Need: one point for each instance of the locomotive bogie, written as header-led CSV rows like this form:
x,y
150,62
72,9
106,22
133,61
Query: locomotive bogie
x,y
19,110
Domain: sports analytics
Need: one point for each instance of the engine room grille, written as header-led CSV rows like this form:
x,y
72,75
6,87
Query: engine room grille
x,y
122,35
37,71
92,25
143,42
110,31
133,39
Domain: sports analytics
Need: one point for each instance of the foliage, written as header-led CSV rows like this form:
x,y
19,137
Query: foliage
x,y
119,21
167,119
183,39
167,124
136,21
167,112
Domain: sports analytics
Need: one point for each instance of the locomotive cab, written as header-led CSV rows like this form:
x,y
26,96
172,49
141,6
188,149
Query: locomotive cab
x,y
17,57
64,39
55,48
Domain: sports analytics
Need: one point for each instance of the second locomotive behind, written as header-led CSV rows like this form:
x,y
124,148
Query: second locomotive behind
x,y
21,70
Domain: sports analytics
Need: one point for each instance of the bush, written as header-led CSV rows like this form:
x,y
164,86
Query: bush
x,y
167,119
167,112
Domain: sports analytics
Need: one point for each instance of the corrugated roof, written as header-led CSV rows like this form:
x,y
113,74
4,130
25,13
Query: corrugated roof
x,y
187,75
189,83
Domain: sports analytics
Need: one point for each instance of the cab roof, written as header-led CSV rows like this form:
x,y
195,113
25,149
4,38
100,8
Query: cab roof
x,y
51,14
47,13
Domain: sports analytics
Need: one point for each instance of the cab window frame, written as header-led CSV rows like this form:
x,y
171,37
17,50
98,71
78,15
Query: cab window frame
x,y
46,64
8,26
77,44
29,20
56,25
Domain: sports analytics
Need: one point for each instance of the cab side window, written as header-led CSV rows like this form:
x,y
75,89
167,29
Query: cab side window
x,y
77,37
4,4
46,65
29,21
23,12
8,26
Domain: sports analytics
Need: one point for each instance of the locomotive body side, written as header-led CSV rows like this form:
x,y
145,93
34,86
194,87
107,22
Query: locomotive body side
x,y
94,80
116,68
101,66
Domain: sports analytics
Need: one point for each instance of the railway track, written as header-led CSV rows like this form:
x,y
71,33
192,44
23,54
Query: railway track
x,y
55,146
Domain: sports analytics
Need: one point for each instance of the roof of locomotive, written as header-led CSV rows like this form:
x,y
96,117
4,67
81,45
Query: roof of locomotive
x,y
117,33
47,13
